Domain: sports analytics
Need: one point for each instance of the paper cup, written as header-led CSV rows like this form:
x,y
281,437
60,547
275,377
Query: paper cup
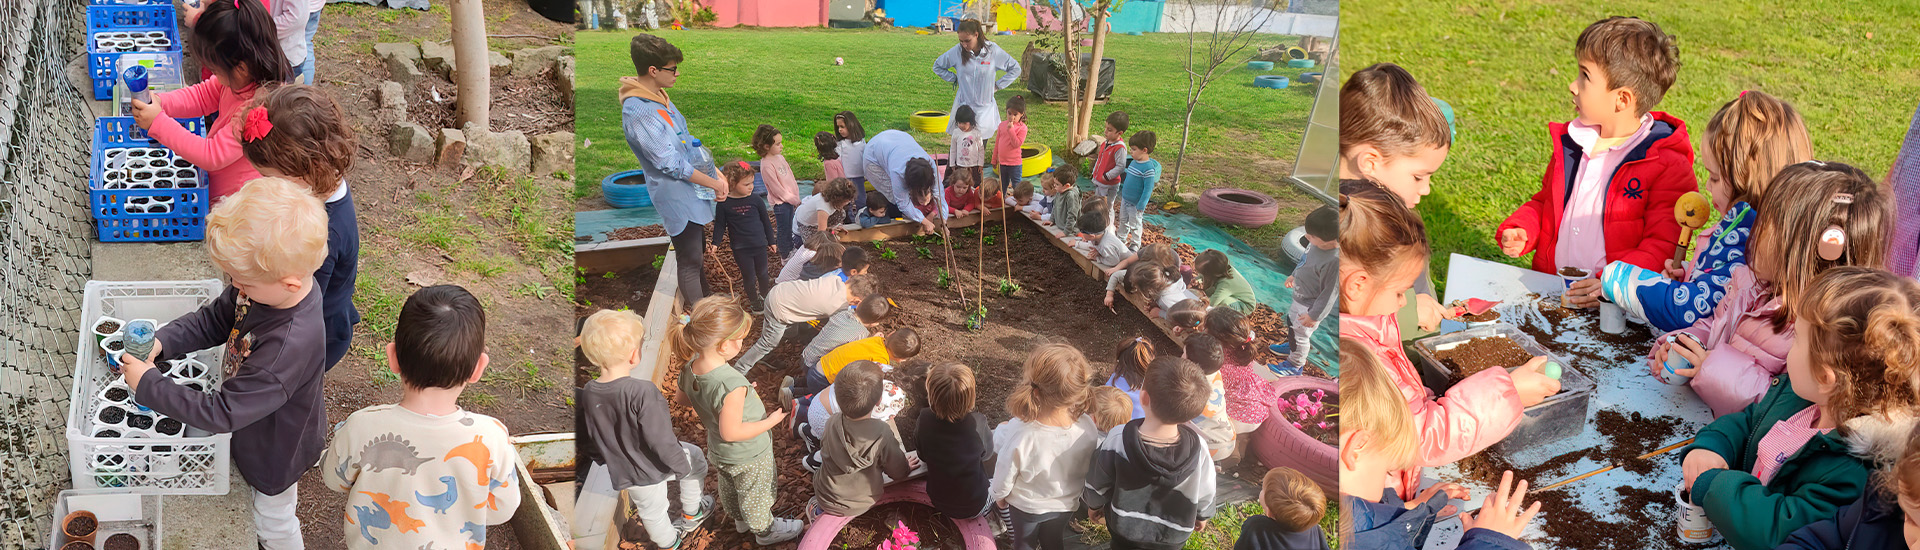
x,y
1693,526
1674,363
1568,276
1613,320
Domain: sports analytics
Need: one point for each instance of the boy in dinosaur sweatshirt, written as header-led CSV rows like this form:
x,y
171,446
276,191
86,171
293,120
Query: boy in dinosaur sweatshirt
x,y
424,470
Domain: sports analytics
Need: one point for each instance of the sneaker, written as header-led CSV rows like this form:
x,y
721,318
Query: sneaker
x,y
783,530
688,523
1284,368
1281,349
758,309
677,539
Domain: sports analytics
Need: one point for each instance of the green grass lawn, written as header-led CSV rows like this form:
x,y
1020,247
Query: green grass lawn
x,y
734,80
1853,74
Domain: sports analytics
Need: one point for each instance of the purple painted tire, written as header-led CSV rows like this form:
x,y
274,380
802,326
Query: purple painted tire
x,y
1277,443
1242,207
820,535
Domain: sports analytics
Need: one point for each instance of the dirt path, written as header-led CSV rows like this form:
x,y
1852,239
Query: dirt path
x,y
505,239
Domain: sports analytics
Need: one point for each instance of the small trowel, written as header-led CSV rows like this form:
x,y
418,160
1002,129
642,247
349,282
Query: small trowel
x,y
1472,306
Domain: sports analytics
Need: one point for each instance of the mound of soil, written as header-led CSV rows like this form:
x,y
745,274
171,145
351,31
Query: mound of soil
x,y
1482,318
1470,357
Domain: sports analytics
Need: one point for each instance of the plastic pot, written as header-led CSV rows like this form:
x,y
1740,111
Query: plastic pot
x,y
99,324
977,534
83,533
1241,207
110,348
1277,443
116,393
1034,160
1295,243
626,189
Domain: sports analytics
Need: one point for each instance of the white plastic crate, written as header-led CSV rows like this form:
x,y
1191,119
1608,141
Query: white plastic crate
x,y
194,464
118,512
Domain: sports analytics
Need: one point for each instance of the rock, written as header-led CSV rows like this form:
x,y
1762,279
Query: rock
x,y
497,64
438,57
401,59
509,150
533,61
393,96
563,76
552,153
397,49
411,141
452,146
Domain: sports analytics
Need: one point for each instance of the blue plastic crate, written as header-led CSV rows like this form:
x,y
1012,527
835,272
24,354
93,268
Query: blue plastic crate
x,y
103,65
120,16
187,219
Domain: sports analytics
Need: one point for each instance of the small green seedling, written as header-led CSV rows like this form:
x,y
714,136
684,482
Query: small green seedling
x,y
610,275
879,244
925,253
969,232
944,280
992,239
978,319
659,261
1008,287
887,254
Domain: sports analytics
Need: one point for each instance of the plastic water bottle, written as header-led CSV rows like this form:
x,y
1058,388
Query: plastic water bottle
x,y
136,80
703,161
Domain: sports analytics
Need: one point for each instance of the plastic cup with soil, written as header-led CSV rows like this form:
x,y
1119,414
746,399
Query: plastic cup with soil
x,y
1571,275
106,326
80,526
121,541
110,348
140,421
169,427
117,393
78,545
112,415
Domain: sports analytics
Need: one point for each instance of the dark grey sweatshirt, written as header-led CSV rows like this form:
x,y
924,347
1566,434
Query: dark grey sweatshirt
x,y
271,404
633,432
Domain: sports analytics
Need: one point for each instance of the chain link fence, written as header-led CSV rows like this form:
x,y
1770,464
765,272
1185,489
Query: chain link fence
x,y
45,259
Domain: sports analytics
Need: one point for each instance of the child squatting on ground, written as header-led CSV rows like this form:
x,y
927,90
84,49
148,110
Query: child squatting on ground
x,y
467,479
269,239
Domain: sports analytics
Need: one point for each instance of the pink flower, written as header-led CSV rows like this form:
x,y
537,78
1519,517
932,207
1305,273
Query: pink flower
x,y
1319,394
1323,424
902,536
1298,426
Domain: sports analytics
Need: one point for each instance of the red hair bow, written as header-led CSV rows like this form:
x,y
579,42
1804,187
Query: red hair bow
x,y
256,126
744,166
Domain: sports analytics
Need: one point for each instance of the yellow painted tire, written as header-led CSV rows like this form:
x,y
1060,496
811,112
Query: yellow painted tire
x,y
932,122
1035,160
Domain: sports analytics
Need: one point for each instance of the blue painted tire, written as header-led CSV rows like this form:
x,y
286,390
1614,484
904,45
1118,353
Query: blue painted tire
x,y
1276,82
1260,65
1300,63
626,189
1309,78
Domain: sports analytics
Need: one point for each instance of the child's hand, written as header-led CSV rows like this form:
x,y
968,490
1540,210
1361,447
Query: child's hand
x,y
145,113
1584,293
1097,515
1698,462
1677,271
1307,321
1430,311
1453,490
132,369
1109,300
1513,242
1289,281
1501,512
1533,386
1682,344
913,461
773,250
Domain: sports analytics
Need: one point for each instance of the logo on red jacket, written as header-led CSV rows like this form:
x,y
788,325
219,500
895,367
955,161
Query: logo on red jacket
x,y
1633,190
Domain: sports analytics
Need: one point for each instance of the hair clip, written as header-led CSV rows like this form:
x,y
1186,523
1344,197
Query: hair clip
x,y
743,166
1833,241
686,320
1743,93
256,125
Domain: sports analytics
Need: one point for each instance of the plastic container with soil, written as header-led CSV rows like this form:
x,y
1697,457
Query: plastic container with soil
x,y
125,521
1560,416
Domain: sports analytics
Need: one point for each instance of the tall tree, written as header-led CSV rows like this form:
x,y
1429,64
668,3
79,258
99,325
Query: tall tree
x,y
471,69
1226,40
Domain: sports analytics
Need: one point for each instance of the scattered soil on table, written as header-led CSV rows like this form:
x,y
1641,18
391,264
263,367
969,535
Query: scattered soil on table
x,y
1594,352
1330,434
1628,436
1269,327
82,526
1482,318
1470,357
1643,519
869,530
109,327
122,541
634,233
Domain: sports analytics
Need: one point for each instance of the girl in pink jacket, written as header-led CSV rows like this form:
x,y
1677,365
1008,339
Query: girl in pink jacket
x,y
236,41
1383,246
1734,355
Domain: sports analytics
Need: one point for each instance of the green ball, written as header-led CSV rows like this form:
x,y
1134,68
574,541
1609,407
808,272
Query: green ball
x,y
1551,369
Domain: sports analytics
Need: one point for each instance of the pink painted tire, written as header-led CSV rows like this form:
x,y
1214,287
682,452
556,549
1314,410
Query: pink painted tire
x,y
1242,207
820,534
1277,443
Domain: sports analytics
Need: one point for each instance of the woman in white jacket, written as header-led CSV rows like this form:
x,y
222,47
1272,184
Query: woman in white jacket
x,y
970,67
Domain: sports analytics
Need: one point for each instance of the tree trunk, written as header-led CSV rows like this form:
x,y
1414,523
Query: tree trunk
x,y
1083,123
1070,55
471,70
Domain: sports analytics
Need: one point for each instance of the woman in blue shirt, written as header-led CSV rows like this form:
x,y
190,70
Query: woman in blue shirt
x,y
682,192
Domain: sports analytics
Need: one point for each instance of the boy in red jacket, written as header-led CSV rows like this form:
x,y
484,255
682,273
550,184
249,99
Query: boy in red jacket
x,y
1617,168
